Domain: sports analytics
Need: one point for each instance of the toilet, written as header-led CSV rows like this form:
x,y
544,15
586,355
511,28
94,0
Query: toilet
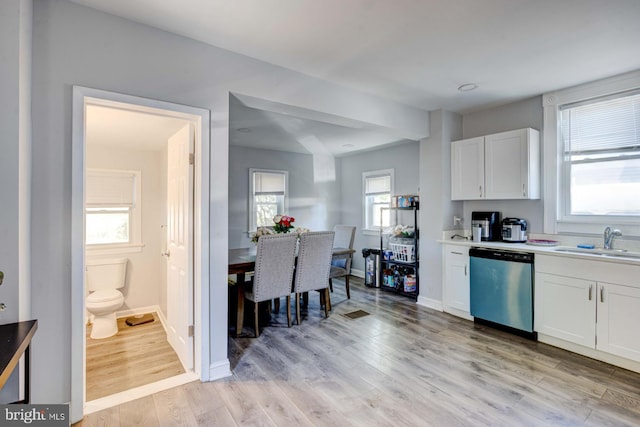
x,y
104,278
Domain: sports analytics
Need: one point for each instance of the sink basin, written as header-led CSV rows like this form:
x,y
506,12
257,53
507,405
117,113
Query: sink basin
x,y
615,253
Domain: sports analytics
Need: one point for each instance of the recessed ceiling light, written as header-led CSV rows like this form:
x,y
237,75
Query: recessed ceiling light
x,y
348,145
244,130
467,87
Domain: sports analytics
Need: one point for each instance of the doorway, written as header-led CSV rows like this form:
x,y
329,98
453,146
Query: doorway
x,y
187,325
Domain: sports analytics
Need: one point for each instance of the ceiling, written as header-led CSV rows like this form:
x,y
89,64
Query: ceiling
x,y
416,52
128,129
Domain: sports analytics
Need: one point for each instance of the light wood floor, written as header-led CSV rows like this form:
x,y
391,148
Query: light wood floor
x,y
402,365
135,356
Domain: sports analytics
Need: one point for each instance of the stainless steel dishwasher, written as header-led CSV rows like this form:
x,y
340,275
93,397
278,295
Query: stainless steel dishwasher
x,y
501,288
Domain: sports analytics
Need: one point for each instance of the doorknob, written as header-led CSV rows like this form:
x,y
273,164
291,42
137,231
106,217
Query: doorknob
x,y
167,254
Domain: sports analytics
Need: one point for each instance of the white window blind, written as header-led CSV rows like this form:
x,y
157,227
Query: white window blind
x,y
601,146
110,188
378,184
601,127
268,183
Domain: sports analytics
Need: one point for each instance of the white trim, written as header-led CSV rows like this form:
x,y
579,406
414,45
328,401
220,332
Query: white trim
x,y
357,273
201,119
369,174
219,370
430,303
252,227
553,152
590,352
138,392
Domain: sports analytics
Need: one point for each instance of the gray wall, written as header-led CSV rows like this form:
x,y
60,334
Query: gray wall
x,y
314,205
75,45
517,115
403,158
436,207
15,167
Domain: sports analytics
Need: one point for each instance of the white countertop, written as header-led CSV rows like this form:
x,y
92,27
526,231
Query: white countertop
x,y
546,250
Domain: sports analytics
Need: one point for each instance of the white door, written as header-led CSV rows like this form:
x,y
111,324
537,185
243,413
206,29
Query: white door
x,y
506,166
456,280
566,308
179,245
618,310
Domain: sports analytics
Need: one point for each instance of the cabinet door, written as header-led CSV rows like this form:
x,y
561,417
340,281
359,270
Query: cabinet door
x,y
467,169
456,281
618,318
565,308
506,173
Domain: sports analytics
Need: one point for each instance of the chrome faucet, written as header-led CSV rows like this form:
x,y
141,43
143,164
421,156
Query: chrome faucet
x,y
609,235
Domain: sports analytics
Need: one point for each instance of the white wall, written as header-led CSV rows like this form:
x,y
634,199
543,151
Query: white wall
x,y
146,271
315,205
517,115
15,168
77,45
404,159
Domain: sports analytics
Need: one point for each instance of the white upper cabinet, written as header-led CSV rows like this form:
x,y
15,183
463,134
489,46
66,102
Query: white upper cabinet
x,y
504,165
467,169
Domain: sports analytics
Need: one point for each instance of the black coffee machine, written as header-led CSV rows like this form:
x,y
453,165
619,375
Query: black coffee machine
x,y
490,224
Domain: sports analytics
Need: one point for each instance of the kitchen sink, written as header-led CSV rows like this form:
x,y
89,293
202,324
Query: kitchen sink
x,y
615,253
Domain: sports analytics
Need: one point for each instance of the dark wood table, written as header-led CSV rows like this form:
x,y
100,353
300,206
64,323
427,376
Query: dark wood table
x,y
243,261
15,340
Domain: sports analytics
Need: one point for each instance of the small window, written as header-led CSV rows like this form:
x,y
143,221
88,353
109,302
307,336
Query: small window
x,y
268,190
377,189
112,208
601,150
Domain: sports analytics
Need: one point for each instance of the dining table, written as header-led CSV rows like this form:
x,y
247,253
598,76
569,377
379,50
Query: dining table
x,y
243,261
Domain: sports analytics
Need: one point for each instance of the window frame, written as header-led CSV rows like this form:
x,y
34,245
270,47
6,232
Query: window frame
x,y
556,185
252,220
135,243
373,229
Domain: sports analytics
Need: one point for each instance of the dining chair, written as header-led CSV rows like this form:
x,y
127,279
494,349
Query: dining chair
x,y
341,264
273,274
313,266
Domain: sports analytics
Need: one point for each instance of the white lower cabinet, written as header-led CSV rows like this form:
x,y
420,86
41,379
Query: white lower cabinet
x,y
618,320
565,308
456,280
575,302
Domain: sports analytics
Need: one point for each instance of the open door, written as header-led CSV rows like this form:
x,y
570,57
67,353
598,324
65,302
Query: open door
x,y
179,245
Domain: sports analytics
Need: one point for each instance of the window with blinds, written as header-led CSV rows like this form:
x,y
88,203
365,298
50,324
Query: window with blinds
x,y
110,200
268,190
377,189
601,156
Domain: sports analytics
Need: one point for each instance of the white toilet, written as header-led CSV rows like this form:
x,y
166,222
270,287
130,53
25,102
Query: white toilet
x,y
104,278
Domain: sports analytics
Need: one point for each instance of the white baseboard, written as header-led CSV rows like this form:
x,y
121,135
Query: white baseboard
x,y
590,352
357,273
430,303
221,369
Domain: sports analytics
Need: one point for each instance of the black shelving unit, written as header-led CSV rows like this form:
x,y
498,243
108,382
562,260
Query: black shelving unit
x,y
400,265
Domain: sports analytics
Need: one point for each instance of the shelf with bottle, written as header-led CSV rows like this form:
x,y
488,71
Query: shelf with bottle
x,y
399,248
400,279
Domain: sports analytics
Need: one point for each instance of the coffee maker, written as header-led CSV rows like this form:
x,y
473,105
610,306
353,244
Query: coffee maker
x,y
490,224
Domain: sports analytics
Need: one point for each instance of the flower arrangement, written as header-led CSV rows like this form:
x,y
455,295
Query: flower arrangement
x,y
261,231
283,223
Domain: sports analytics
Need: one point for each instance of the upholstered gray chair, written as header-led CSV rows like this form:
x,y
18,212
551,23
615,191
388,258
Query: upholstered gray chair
x,y
313,266
341,264
273,274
